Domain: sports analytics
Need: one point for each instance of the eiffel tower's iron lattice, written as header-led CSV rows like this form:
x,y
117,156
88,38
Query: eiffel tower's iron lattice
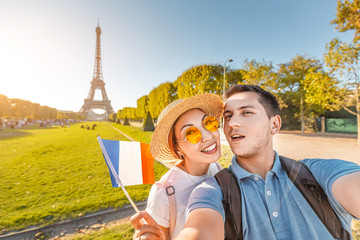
x,y
97,83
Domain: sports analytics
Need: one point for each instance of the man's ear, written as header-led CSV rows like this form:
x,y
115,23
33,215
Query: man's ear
x,y
275,123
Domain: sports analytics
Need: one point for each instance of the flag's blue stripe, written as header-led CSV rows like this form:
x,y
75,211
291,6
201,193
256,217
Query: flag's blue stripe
x,y
112,149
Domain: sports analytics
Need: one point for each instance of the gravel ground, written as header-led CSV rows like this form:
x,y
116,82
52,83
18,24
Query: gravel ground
x,y
297,146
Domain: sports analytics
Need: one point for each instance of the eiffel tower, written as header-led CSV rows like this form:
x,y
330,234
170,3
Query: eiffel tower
x,y
97,83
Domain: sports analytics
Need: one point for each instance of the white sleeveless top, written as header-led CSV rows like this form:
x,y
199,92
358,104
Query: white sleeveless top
x,y
184,184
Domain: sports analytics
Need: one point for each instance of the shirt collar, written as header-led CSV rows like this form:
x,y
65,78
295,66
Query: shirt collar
x,y
241,173
277,168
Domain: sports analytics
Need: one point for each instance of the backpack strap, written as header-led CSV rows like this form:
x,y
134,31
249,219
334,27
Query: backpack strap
x,y
170,191
232,204
306,183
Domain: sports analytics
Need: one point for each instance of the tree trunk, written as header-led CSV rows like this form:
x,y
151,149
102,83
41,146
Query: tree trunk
x,y
358,112
358,126
323,124
302,114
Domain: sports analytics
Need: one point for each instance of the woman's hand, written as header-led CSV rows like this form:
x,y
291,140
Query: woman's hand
x,y
146,228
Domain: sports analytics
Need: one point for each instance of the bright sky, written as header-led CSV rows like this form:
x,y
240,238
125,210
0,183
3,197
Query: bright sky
x,y
47,48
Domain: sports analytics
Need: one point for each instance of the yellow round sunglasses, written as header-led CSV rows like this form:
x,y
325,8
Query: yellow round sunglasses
x,y
193,134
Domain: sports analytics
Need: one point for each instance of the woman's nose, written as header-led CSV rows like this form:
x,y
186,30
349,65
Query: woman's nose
x,y
206,135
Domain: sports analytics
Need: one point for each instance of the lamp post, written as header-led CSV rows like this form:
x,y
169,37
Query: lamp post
x,y
227,60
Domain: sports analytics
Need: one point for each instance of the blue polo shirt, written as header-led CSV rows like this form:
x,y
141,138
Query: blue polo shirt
x,y
273,208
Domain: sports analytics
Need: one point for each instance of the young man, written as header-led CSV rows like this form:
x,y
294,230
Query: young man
x,y
272,207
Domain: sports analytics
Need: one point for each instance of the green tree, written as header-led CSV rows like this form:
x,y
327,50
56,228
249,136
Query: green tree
x,y
21,108
4,106
36,108
343,58
200,79
348,18
262,74
142,106
119,114
112,117
129,112
343,61
160,97
296,80
148,124
233,77
48,112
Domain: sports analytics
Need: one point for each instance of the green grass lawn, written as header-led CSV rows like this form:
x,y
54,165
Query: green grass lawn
x,y
134,132
47,175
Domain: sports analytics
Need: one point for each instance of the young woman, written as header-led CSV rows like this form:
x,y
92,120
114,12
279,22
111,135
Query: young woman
x,y
187,134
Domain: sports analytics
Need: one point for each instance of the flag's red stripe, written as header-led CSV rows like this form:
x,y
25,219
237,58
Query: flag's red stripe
x,y
147,162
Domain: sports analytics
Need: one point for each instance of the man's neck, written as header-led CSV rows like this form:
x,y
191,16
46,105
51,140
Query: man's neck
x,y
260,164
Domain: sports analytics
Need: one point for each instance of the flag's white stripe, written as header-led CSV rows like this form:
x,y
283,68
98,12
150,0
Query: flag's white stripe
x,y
112,169
130,167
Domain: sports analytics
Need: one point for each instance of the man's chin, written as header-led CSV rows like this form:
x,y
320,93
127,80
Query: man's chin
x,y
243,153
236,149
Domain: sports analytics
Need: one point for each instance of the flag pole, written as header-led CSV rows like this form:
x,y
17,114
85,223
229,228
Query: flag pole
x,y
113,171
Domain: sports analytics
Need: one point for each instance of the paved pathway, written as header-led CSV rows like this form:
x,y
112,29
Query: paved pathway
x,y
297,146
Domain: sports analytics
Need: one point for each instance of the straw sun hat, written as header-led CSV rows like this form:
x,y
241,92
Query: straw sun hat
x,y
209,103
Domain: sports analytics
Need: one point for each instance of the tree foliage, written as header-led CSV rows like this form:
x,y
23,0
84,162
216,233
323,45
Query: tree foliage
x,y
233,77
262,74
199,79
70,115
348,17
343,61
142,106
119,114
322,92
129,112
48,112
343,58
297,80
259,73
4,106
160,97
112,117
21,109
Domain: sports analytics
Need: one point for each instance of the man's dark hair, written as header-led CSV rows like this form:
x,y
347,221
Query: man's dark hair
x,y
267,99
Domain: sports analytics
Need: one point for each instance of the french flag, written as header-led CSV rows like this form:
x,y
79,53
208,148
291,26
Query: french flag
x,y
129,163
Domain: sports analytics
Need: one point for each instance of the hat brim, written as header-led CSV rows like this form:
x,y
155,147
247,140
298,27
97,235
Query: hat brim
x,y
210,103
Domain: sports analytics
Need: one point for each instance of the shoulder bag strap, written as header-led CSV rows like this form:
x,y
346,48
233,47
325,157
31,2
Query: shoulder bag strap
x,y
170,191
219,167
306,183
232,204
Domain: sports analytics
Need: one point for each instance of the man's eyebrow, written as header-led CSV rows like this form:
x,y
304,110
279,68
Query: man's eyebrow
x,y
247,106
239,108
